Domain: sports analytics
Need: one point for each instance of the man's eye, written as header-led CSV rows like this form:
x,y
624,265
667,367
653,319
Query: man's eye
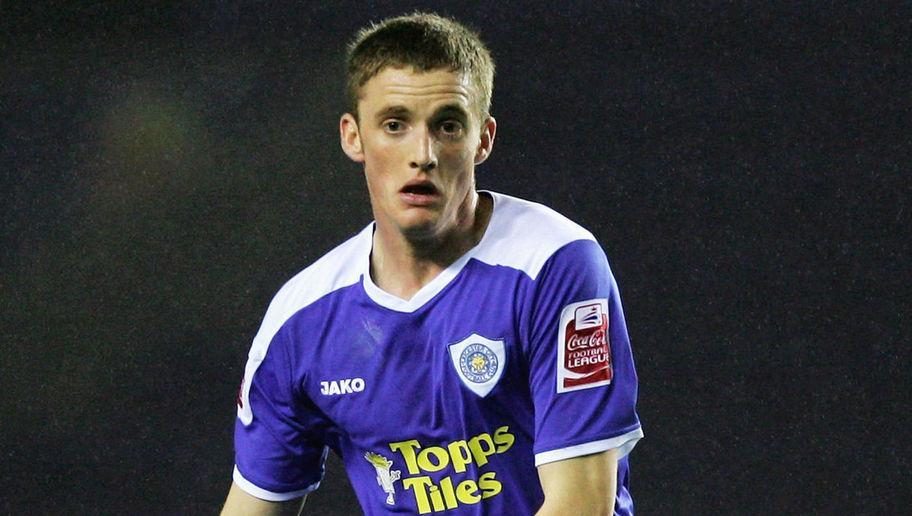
x,y
393,126
451,127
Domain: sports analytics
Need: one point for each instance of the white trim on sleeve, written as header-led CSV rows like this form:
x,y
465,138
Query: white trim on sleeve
x,y
263,494
624,444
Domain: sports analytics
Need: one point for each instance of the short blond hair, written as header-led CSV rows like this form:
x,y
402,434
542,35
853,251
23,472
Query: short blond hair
x,y
424,42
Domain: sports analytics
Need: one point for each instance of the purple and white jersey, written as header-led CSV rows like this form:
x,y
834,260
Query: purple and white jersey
x,y
516,355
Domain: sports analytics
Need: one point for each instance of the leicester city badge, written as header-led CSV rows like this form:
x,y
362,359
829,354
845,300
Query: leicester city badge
x,y
479,362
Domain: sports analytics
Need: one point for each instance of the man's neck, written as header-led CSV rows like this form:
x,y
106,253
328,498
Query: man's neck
x,y
402,266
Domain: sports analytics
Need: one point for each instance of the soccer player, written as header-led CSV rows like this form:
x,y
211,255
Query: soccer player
x,y
464,353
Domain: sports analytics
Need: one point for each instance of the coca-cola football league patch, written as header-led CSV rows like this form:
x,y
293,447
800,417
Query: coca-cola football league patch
x,y
583,349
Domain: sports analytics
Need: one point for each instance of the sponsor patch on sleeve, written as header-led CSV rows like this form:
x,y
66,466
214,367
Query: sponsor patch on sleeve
x,y
583,349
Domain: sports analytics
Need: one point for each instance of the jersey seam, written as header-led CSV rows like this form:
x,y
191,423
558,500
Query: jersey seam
x,y
282,492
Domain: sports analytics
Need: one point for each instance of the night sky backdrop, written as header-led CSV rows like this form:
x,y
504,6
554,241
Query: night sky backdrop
x,y
164,169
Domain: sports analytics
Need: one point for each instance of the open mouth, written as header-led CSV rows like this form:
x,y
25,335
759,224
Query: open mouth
x,y
419,193
420,189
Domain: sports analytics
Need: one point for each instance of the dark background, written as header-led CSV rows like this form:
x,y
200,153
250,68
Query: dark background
x,y
165,169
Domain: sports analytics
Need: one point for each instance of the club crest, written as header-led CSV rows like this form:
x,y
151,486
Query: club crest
x,y
479,362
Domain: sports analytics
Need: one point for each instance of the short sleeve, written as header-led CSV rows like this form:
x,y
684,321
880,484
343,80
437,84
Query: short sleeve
x,y
582,377
279,433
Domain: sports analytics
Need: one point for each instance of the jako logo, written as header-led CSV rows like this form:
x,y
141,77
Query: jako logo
x,y
346,386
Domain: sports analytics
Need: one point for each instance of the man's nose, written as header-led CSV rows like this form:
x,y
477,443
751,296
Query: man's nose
x,y
425,152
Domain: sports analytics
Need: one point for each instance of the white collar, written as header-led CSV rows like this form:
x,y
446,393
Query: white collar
x,y
433,287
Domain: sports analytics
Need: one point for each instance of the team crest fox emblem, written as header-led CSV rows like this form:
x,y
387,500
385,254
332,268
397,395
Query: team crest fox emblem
x,y
385,476
479,362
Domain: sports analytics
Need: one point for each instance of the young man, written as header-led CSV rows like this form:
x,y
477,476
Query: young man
x,y
466,352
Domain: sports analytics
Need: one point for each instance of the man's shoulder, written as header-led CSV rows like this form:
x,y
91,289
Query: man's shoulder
x,y
522,210
339,268
524,235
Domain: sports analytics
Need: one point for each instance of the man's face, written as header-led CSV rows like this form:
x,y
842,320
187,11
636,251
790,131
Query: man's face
x,y
419,137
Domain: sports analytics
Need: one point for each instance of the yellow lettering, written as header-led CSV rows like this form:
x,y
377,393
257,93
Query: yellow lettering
x,y
424,458
448,495
481,454
436,499
459,451
419,485
466,490
446,487
489,486
503,438
407,449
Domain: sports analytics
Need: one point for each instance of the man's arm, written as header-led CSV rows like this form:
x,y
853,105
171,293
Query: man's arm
x,y
241,503
582,486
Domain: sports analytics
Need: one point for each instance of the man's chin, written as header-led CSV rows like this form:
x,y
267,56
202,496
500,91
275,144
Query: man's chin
x,y
420,231
420,227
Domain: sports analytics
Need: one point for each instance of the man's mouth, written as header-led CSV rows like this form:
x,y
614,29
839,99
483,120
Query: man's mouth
x,y
419,193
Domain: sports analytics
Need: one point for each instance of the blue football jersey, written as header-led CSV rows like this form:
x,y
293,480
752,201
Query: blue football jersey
x,y
516,355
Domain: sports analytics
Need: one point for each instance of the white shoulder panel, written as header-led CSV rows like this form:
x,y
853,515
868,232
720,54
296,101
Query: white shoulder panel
x,y
524,235
337,269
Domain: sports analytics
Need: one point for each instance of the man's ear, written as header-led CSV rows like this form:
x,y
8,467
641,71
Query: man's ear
x,y
350,137
486,141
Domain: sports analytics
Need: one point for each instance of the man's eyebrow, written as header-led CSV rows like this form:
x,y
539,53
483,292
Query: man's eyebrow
x,y
452,109
400,111
392,111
